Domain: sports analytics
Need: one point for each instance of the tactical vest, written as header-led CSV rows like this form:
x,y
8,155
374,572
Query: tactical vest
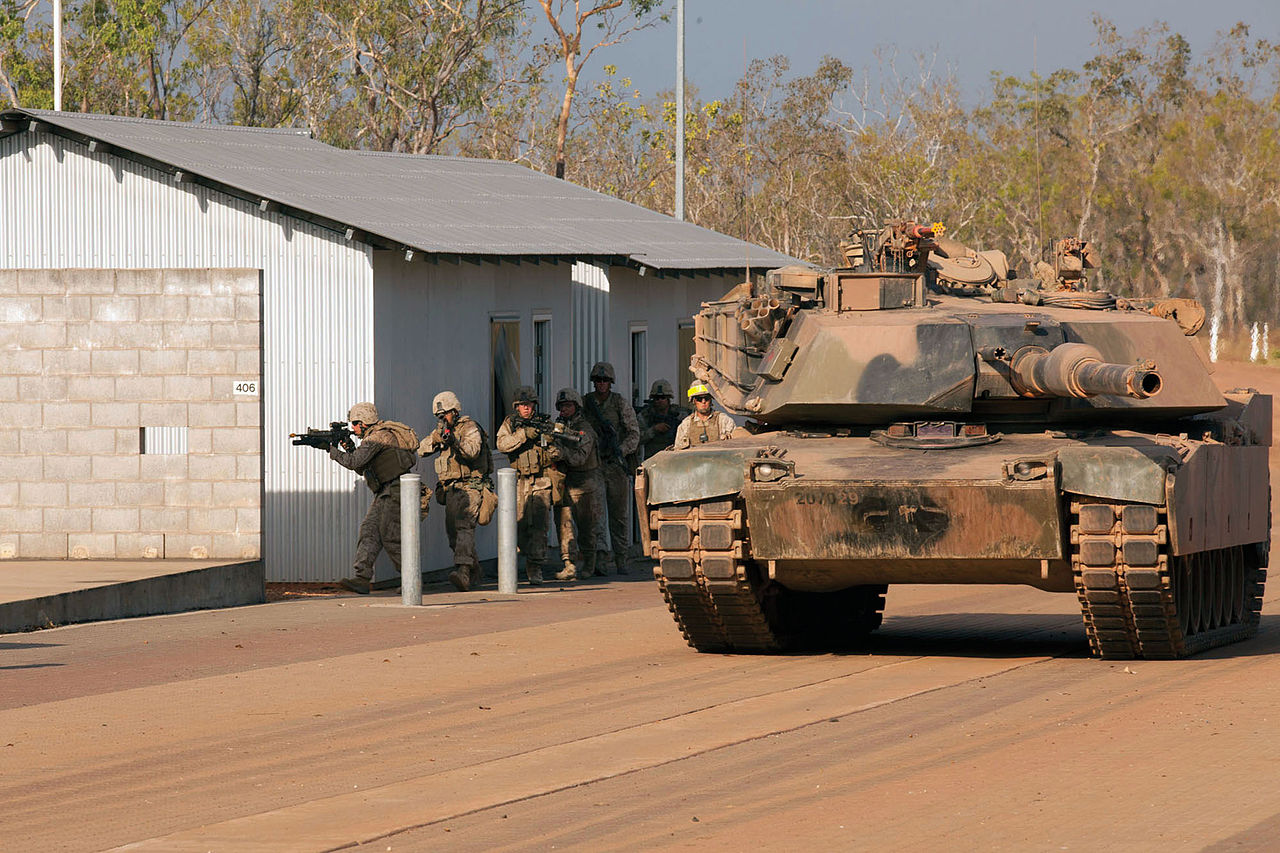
x,y
701,432
532,460
398,454
451,467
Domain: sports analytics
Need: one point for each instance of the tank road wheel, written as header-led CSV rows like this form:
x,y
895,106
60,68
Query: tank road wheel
x,y
1138,600
712,589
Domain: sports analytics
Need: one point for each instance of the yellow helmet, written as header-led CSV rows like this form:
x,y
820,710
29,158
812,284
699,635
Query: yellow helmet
x,y
697,389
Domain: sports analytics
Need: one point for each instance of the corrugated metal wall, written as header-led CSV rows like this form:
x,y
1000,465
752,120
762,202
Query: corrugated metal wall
x,y
64,207
590,319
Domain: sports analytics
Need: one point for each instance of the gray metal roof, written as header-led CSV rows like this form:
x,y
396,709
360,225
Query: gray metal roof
x,y
433,204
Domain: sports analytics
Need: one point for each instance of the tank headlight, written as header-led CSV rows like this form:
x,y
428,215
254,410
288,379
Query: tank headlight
x,y
770,471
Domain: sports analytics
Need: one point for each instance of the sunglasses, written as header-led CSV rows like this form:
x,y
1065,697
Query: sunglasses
x,y
702,398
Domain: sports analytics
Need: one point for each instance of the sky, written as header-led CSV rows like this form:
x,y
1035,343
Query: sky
x,y
971,37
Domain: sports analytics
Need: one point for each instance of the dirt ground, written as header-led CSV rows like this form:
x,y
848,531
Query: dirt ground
x,y
576,718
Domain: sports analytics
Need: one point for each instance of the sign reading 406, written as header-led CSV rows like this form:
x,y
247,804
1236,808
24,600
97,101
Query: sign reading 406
x,y
245,387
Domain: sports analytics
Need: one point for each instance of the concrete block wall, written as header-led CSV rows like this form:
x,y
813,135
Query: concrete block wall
x,y
88,359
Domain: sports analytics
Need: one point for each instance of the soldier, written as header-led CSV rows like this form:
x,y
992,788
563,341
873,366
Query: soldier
x,y
531,455
385,452
583,501
614,421
462,470
659,419
705,424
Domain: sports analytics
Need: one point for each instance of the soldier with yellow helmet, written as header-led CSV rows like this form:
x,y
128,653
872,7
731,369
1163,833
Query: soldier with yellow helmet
x,y
706,424
386,451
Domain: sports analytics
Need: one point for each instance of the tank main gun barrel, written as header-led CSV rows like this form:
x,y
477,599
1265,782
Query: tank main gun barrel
x,y
1077,370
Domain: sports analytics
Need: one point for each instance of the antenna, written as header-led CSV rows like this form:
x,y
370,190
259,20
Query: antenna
x,y
1035,75
680,110
746,173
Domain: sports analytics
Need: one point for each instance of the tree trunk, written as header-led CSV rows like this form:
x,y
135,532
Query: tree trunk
x,y
562,122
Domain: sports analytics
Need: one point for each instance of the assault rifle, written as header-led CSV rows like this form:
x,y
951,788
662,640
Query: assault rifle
x,y
336,434
609,448
547,429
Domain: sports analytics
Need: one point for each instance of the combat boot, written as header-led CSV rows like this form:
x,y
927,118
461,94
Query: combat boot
x,y
461,579
568,573
360,586
533,571
475,576
588,567
601,568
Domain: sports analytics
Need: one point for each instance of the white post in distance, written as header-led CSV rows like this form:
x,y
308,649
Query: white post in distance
x,y
410,540
507,531
57,55
680,109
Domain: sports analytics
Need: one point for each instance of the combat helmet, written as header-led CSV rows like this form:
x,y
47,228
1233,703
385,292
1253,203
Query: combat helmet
x,y
602,370
698,389
445,401
661,388
569,395
525,394
365,413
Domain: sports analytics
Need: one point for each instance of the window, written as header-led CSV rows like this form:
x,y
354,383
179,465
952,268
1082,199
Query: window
x,y
504,355
542,361
639,365
684,348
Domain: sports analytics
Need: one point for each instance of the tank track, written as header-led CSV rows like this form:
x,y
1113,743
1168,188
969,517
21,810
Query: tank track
x,y
709,584
1140,601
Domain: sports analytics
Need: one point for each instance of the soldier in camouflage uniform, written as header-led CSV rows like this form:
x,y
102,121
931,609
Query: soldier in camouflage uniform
x,y
583,501
386,452
706,424
462,469
530,454
614,421
659,419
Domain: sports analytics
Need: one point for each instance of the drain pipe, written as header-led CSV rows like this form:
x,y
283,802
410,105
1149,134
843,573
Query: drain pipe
x,y
507,531
410,540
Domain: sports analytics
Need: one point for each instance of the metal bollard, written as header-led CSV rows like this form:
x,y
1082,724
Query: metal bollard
x,y
410,541
507,531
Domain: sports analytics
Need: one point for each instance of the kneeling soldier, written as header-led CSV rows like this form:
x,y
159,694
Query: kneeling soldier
x,y
530,454
461,471
385,452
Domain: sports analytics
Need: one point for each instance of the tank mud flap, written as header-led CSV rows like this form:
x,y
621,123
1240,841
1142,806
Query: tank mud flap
x,y
1140,601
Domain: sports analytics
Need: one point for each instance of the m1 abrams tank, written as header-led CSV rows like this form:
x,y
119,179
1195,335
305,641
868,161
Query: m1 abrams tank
x,y
921,417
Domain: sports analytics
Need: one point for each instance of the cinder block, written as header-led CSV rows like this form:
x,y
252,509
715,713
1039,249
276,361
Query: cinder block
x,y
66,309
17,362
41,335
193,388
163,362
140,388
211,520
44,389
80,494
236,494
21,309
87,282
8,389
215,467
249,466
89,389
68,520
162,519
249,415
67,362
91,546
67,469
249,520
139,335
238,335
118,519
188,335
8,282
21,519
236,440
249,364
20,469
163,414
42,546
199,441
41,442
114,309
93,442
42,493
242,281
8,495
40,282
211,362
236,546
188,493
179,546
138,282
64,415
110,362
29,415
211,308
166,307
140,494
220,414
115,415
248,309
115,468
11,438
188,282
128,441
133,546
155,466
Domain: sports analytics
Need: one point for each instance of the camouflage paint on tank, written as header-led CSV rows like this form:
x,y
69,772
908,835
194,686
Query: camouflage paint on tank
x,y
695,474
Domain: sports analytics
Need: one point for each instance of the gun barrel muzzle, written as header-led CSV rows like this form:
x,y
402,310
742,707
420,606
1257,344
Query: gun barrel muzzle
x,y
1077,370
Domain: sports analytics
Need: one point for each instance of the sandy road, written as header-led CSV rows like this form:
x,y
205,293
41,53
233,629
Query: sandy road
x,y
579,719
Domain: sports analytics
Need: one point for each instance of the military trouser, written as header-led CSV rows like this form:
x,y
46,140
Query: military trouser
x,y
586,511
618,497
533,509
461,509
379,529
